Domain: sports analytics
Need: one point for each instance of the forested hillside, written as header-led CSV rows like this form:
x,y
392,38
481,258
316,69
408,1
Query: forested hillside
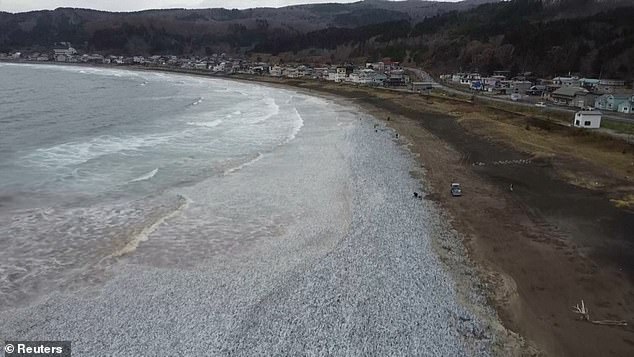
x,y
180,31
592,37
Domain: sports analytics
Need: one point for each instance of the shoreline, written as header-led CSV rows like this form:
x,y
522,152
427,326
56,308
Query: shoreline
x,y
373,286
531,264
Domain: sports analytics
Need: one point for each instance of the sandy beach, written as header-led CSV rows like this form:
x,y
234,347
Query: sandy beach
x,y
349,266
526,256
545,246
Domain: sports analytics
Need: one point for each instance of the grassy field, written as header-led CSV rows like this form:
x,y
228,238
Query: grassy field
x,y
619,127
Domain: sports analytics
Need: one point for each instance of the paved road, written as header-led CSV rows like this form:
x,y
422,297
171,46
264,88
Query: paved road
x,y
426,77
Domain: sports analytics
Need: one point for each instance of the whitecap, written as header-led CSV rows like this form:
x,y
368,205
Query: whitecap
x,y
297,126
245,164
144,234
75,153
145,176
210,124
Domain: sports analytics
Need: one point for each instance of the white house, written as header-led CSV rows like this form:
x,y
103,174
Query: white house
x,y
587,119
275,71
626,106
221,67
566,81
64,51
338,76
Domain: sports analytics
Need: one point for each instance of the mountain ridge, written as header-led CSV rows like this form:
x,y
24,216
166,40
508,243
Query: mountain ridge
x,y
544,36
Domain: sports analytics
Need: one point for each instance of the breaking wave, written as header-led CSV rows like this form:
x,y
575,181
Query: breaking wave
x,y
146,176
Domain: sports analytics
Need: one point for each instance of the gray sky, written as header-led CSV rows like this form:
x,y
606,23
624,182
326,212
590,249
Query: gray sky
x,y
133,5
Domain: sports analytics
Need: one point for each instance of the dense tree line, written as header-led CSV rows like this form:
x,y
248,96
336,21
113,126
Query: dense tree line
x,y
543,36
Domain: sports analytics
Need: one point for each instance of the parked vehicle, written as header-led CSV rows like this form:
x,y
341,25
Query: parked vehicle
x,y
456,191
540,104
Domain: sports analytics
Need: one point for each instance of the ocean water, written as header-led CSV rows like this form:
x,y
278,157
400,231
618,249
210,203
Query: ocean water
x,y
103,165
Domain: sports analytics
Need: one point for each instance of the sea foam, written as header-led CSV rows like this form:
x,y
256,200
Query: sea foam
x,y
146,176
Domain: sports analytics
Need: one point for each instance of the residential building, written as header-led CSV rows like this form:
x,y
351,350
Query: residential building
x,y
291,72
615,102
587,119
567,96
626,106
64,51
610,86
536,90
520,87
340,74
422,86
566,81
590,84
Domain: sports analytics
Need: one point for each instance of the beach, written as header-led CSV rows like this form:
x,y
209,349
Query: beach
x,y
313,246
541,248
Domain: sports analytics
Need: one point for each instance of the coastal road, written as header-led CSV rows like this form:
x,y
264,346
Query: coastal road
x,y
426,77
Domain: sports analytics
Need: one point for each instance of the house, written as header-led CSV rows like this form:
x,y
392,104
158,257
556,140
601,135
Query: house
x,y
477,85
615,102
64,51
422,86
379,79
291,72
377,66
305,71
92,58
222,66
566,81
457,77
590,84
568,95
610,86
321,72
341,74
501,74
490,84
587,119
626,107
364,76
584,100
536,90
469,78
520,87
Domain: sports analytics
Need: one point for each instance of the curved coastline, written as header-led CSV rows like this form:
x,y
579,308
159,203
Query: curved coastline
x,y
478,328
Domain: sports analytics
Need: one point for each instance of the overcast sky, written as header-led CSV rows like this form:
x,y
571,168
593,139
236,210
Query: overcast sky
x,y
133,5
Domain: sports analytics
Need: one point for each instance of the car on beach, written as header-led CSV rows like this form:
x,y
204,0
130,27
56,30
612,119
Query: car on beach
x,y
456,191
